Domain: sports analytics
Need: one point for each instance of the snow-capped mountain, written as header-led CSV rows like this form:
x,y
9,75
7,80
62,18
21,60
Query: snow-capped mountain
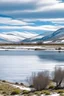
x,y
56,37
35,38
15,37
18,37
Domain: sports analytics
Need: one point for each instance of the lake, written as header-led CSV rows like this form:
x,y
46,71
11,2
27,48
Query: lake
x,y
17,65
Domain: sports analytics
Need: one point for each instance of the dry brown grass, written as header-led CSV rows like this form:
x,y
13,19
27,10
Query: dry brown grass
x,y
7,89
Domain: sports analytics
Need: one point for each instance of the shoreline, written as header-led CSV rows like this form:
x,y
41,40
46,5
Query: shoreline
x,y
25,90
44,47
26,49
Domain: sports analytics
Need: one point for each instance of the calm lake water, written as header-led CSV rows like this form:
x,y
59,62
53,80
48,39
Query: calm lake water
x,y
16,66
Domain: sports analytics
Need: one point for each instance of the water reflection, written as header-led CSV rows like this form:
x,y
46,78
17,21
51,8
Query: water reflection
x,y
56,56
16,66
49,55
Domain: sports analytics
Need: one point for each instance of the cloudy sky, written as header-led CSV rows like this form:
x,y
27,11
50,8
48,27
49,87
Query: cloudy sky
x,y
35,16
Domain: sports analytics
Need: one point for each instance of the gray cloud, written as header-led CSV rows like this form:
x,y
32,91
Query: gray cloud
x,y
13,7
31,9
35,15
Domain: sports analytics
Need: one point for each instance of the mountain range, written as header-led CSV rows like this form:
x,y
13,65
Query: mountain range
x,y
55,37
27,37
15,37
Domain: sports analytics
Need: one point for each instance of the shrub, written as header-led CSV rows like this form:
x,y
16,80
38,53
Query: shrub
x,y
51,87
31,86
60,91
61,94
16,83
46,92
37,93
3,80
39,80
25,92
21,84
58,76
3,92
16,91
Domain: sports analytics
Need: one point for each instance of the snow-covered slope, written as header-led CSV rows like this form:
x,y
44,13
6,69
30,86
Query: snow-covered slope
x,y
8,37
35,38
57,36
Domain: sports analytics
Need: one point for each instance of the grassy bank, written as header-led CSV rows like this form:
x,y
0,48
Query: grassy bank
x,y
6,89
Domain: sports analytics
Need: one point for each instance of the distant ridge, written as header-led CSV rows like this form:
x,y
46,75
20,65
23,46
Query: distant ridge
x,y
27,37
56,36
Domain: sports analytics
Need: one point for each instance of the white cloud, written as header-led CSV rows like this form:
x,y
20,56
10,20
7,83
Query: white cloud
x,y
56,6
47,2
10,27
32,28
38,1
53,20
50,5
43,27
36,10
10,21
16,1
